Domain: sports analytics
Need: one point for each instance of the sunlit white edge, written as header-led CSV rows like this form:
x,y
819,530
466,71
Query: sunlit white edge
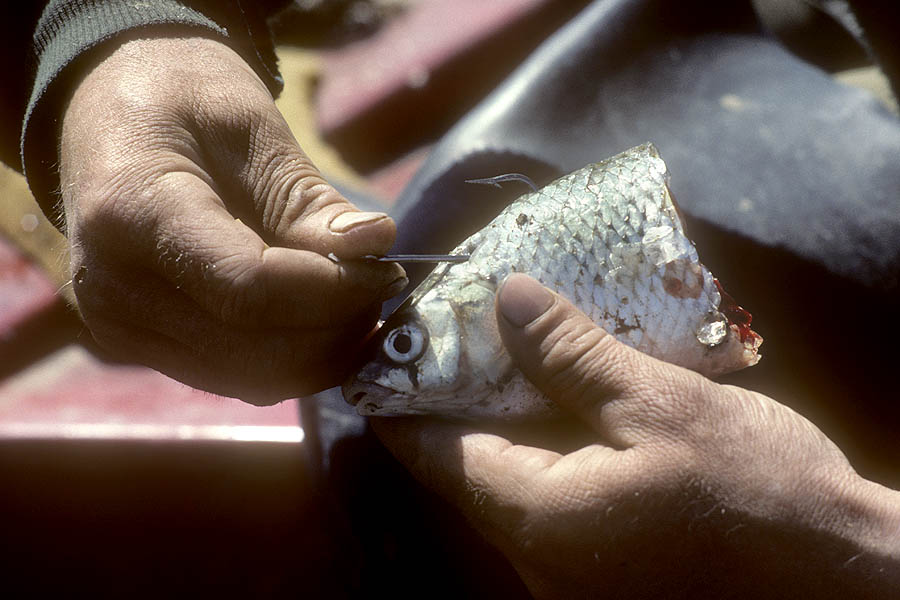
x,y
117,431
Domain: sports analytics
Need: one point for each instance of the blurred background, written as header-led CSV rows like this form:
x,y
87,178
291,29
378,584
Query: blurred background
x,y
118,479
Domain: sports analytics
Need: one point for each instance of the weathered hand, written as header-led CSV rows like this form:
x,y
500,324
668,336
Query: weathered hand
x,y
692,489
199,230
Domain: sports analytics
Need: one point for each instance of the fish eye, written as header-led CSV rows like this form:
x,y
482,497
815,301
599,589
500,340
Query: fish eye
x,y
404,344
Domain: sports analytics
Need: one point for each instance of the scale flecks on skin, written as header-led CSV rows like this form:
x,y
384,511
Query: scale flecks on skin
x,y
609,238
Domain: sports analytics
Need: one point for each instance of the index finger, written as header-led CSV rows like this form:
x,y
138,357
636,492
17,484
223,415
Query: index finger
x,y
194,242
494,482
485,476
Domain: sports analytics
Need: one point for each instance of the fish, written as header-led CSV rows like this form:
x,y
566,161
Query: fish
x,y
610,238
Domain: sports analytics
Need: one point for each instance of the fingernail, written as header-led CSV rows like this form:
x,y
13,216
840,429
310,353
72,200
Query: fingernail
x,y
522,299
396,286
346,221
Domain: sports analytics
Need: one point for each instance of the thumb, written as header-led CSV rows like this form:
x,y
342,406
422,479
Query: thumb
x,y
309,213
316,217
580,366
277,186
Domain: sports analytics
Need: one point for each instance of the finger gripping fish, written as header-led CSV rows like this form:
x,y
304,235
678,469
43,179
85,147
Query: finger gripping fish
x,y
609,238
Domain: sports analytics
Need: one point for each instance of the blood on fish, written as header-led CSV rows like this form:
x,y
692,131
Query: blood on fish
x,y
736,315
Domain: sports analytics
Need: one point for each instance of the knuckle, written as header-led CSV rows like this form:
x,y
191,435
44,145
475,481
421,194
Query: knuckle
x,y
575,360
117,203
281,179
308,195
304,193
92,210
677,404
238,293
286,187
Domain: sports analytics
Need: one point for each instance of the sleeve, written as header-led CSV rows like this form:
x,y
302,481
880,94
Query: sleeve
x,y
18,68
64,37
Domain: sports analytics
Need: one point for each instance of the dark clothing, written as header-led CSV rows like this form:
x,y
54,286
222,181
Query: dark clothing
x,y
55,42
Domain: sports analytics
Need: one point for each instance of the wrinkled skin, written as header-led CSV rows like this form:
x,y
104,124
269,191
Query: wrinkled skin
x,y
199,229
688,489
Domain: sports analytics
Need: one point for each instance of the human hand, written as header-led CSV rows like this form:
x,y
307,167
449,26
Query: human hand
x,y
691,489
199,230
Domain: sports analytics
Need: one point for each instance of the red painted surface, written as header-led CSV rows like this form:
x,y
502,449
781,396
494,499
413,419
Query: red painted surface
x,y
388,183
71,394
406,52
402,87
25,292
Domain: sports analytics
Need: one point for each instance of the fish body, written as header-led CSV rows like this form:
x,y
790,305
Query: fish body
x,y
609,238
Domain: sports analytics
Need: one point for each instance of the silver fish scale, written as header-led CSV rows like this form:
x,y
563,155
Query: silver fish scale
x,y
599,236
607,237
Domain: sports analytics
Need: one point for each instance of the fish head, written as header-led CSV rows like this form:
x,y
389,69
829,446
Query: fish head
x,y
438,355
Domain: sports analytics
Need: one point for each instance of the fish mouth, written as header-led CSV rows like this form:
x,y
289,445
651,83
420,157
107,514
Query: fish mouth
x,y
368,398
354,391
